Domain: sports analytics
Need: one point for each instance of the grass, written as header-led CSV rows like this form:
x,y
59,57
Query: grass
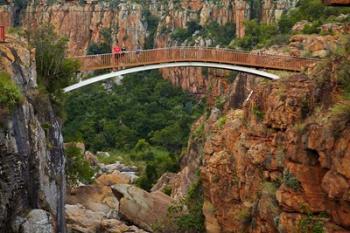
x,y
10,94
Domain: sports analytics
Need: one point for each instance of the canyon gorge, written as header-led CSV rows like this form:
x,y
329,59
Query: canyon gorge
x,y
260,156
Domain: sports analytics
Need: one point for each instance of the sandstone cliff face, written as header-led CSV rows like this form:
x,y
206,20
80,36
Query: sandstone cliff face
x,y
31,150
277,165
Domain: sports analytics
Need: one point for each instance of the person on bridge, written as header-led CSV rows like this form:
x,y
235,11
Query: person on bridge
x,y
116,52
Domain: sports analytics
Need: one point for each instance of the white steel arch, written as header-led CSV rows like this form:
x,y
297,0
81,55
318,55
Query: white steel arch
x,y
170,65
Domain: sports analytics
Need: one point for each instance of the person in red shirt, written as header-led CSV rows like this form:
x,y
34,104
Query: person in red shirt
x,y
116,51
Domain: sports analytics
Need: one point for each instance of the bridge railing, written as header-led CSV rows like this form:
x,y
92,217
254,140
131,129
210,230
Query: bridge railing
x,y
192,54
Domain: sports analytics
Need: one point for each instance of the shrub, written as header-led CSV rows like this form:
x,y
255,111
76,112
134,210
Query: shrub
x,y
311,224
180,34
221,122
167,190
193,220
341,112
77,168
220,102
291,181
258,113
311,10
9,92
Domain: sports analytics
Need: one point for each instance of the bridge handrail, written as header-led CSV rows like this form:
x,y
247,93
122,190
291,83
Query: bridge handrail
x,y
204,48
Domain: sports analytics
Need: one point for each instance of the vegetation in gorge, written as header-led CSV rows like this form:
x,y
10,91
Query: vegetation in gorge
x,y
259,35
220,34
55,71
145,112
9,92
77,168
189,219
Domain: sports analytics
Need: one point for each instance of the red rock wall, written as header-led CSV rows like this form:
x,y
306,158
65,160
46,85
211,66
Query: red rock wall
x,y
277,165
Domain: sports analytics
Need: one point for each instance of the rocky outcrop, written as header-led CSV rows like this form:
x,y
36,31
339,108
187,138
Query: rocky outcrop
x,y
140,207
80,219
275,166
38,221
32,160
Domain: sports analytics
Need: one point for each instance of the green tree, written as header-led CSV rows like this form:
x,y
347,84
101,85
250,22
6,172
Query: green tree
x,y
54,70
77,168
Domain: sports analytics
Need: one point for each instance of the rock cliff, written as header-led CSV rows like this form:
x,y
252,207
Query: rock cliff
x,y
279,164
31,150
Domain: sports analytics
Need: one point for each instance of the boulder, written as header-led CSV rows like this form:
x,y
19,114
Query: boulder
x,y
140,207
111,179
91,158
38,221
80,219
97,198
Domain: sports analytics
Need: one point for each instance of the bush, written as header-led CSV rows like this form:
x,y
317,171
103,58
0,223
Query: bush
x,y
186,215
257,35
9,92
341,113
180,34
258,113
77,168
220,34
291,181
310,10
311,224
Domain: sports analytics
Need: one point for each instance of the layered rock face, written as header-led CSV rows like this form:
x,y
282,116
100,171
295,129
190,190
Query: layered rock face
x,y
31,149
277,165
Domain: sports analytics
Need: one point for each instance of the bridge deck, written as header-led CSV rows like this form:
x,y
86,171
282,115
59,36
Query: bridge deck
x,y
191,54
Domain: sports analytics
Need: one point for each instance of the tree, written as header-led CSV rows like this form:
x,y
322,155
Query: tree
x,y
54,70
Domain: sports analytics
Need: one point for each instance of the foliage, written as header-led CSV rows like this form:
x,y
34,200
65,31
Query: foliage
x,y
167,190
104,46
185,215
311,224
311,10
77,168
156,161
221,122
257,35
152,24
220,102
291,181
258,113
144,107
313,28
194,220
341,113
180,34
9,92
151,161
220,34
199,132
54,70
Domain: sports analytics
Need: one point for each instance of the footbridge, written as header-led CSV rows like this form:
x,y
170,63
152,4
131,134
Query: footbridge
x,y
136,61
